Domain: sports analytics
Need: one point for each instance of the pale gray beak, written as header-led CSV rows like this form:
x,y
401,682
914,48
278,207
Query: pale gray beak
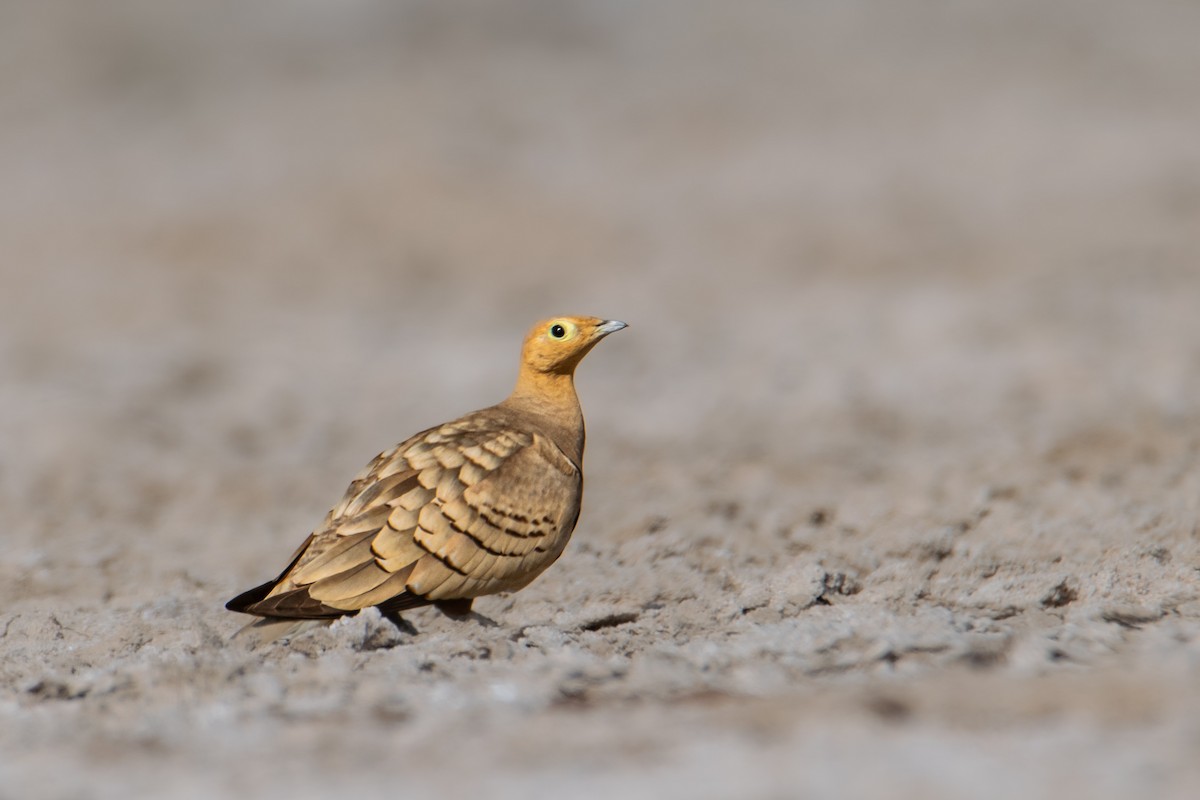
x,y
609,326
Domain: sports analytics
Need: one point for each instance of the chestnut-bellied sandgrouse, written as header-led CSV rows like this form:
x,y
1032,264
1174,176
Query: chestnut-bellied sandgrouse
x,y
480,505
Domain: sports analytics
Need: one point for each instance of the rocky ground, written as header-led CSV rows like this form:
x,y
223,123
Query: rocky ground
x,y
893,484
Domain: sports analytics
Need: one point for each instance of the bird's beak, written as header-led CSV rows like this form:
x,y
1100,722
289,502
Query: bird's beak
x,y
609,326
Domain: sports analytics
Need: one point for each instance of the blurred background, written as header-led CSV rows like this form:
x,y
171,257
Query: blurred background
x,y
911,246
944,217
194,175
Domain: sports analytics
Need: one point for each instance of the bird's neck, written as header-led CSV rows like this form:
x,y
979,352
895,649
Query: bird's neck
x,y
550,398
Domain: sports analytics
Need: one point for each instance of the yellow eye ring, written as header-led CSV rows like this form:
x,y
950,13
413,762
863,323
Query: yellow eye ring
x,y
561,331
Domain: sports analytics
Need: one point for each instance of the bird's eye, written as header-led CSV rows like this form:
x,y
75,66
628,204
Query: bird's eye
x,y
558,331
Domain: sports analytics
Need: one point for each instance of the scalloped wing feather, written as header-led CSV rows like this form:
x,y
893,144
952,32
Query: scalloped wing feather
x,y
456,512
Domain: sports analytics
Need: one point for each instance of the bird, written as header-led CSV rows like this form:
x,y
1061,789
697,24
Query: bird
x,y
476,506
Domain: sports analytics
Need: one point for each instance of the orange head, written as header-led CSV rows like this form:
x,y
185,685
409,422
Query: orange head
x,y
556,346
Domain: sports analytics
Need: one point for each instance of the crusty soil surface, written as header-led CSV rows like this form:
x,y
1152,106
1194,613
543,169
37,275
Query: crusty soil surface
x,y
893,484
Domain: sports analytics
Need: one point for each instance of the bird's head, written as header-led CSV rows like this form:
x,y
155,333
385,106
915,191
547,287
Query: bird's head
x,y
556,346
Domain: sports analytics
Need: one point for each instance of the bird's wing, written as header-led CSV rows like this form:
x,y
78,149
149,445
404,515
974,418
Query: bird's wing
x,y
503,530
458,511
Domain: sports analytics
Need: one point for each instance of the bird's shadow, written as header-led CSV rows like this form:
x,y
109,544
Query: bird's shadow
x,y
407,627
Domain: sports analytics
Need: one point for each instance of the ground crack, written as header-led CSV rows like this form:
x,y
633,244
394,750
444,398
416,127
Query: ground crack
x,y
610,621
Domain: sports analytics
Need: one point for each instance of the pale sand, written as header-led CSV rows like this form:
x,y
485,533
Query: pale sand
x,y
893,483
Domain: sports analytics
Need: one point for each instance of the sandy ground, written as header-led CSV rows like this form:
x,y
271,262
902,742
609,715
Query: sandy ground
x,y
893,484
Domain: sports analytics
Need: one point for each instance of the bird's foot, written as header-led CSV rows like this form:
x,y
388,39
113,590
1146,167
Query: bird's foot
x,y
461,610
400,622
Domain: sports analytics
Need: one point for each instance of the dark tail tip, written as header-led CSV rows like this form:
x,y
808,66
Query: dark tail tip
x,y
249,598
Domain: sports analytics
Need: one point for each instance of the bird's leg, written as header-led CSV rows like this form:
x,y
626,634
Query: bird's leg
x,y
400,622
461,609
455,609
